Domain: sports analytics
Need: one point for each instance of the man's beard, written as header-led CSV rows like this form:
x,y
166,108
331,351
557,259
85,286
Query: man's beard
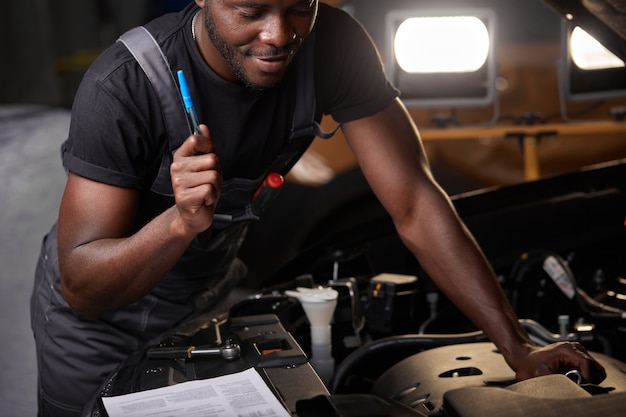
x,y
233,57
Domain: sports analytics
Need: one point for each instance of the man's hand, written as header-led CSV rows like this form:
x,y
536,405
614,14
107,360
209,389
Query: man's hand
x,y
197,181
559,358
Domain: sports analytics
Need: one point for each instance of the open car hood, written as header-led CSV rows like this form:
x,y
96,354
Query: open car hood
x,y
605,20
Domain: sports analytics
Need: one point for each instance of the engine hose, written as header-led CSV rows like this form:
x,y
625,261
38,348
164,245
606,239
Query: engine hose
x,y
421,341
584,301
542,336
605,311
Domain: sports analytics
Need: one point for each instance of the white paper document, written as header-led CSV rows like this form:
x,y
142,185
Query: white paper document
x,y
243,394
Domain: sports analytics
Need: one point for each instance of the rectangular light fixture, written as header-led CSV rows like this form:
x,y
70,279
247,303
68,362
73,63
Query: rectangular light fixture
x,y
587,70
589,54
442,59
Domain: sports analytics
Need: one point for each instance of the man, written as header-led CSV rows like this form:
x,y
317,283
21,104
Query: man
x,y
130,263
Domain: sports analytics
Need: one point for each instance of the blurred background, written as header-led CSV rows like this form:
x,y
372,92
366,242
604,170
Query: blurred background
x,y
48,44
521,120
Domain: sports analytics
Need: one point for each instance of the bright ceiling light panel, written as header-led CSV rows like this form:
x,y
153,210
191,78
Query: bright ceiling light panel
x,y
589,54
442,57
443,44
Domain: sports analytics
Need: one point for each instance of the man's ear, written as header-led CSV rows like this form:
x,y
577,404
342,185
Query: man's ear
x,y
200,3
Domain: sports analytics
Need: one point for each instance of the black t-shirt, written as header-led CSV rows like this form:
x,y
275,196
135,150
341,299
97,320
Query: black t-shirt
x,y
117,133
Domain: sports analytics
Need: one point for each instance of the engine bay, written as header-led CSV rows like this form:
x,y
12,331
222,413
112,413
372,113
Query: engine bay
x,y
398,346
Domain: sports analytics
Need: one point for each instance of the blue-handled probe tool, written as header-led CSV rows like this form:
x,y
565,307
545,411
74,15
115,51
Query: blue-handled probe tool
x,y
191,110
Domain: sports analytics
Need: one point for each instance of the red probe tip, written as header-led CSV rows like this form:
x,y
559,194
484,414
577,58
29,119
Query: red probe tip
x,y
275,180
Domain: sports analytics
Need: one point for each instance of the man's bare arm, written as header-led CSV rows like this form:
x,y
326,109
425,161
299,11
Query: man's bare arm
x,y
105,264
392,158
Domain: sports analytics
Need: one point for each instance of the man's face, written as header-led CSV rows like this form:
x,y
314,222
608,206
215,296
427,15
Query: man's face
x,y
256,39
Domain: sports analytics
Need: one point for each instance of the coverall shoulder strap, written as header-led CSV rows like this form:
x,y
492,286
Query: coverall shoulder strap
x,y
155,65
305,127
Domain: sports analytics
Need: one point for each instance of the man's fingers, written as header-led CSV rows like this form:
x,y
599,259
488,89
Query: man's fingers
x,y
590,369
562,357
574,356
592,372
196,144
202,175
204,144
197,163
194,198
197,180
